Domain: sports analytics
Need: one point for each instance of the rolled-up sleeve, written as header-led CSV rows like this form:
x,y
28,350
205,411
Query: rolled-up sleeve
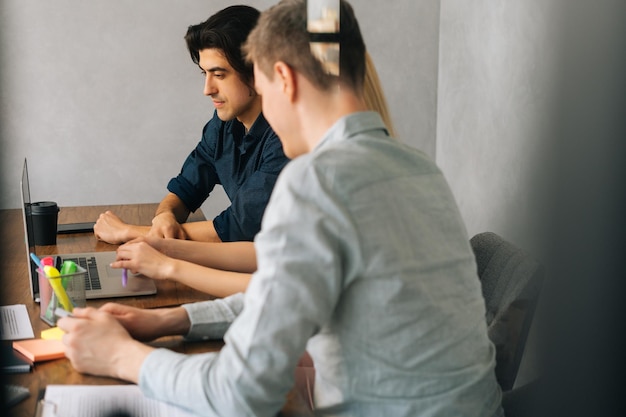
x,y
198,176
211,319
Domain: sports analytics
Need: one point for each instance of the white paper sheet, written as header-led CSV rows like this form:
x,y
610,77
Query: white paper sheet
x,y
103,401
15,323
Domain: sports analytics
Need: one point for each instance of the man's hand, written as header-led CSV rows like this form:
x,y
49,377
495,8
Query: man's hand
x,y
149,324
96,343
165,225
111,229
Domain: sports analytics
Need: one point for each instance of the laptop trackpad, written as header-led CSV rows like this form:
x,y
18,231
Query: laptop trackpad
x,y
114,272
136,282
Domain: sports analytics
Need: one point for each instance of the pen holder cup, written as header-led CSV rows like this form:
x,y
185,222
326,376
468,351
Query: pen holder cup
x,y
64,291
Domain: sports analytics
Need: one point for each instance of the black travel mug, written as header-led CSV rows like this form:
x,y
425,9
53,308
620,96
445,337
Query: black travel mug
x,y
45,215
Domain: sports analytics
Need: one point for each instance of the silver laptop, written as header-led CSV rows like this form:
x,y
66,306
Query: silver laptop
x,y
101,281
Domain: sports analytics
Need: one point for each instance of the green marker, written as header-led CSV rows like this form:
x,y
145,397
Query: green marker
x,y
68,268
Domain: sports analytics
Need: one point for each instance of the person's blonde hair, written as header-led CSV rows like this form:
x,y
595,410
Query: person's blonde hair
x,y
374,95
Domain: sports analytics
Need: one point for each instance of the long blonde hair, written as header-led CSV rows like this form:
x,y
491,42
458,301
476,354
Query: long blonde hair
x,y
374,95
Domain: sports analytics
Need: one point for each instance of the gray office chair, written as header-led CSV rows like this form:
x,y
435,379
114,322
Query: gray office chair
x,y
510,281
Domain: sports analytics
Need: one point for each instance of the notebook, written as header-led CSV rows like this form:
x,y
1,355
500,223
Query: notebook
x,y
103,400
101,281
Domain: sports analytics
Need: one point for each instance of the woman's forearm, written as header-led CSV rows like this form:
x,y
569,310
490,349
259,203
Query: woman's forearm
x,y
228,256
209,280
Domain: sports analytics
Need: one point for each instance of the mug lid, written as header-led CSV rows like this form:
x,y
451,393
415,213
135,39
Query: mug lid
x,y
41,207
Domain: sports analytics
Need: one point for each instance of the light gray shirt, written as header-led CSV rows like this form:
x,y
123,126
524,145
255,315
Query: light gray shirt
x,y
364,261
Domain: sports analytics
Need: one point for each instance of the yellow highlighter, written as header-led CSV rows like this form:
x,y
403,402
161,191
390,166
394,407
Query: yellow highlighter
x,y
57,286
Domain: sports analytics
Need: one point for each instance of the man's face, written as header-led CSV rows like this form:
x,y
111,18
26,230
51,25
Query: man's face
x,y
278,111
231,97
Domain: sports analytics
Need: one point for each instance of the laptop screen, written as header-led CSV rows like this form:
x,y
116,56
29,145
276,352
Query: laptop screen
x,y
29,235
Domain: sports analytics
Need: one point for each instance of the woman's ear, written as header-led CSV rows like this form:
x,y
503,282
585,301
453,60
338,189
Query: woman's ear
x,y
287,77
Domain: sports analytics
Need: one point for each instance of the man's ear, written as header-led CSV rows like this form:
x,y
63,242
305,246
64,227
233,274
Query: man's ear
x,y
287,77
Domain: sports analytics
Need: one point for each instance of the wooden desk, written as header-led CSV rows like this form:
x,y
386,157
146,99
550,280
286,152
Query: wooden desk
x,y
15,290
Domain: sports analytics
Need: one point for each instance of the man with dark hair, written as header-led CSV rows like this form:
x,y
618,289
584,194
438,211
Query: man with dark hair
x,y
238,149
363,260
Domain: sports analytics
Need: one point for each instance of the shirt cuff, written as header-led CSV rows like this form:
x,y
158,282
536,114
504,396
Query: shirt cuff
x,y
211,319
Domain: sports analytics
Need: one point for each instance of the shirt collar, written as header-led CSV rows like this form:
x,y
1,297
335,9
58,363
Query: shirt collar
x,y
352,125
246,140
259,127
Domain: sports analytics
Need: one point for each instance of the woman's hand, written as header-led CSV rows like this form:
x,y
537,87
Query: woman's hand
x,y
140,257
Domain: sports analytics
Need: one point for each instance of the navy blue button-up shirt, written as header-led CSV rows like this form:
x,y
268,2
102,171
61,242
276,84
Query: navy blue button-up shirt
x,y
246,165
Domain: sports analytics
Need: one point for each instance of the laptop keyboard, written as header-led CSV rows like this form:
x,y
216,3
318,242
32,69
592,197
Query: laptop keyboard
x,y
92,278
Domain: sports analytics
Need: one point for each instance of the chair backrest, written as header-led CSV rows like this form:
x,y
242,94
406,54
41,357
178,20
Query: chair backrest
x,y
510,281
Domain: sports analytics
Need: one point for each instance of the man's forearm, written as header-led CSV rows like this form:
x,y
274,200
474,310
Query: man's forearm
x,y
201,231
171,203
129,361
174,321
127,366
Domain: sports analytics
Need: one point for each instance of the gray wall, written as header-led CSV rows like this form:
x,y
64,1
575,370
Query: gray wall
x,y
103,100
496,71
